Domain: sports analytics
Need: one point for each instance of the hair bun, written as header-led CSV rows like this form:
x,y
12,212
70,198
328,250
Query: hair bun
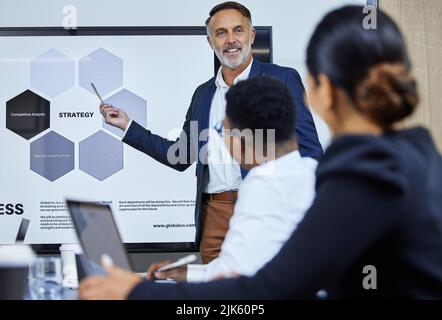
x,y
388,94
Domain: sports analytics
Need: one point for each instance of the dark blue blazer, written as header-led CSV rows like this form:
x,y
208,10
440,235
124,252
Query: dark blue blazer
x,y
158,147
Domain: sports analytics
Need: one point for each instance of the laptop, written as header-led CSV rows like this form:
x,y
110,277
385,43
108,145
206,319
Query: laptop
x,y
98,234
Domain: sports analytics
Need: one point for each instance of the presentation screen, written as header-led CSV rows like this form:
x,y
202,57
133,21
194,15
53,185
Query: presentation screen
x,y
55,144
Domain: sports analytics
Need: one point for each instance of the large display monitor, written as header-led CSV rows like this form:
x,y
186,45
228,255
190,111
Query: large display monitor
x,y
55,144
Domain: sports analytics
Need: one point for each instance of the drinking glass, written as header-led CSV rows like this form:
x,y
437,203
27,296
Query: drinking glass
x,y
46,279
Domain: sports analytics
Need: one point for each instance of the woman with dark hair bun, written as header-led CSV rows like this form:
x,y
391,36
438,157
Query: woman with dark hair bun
x,y
375,227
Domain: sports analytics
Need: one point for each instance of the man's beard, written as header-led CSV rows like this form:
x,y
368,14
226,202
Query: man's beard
x,y
234,64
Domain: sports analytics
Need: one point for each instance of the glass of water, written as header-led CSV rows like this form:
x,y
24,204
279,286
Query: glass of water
x,y
46,279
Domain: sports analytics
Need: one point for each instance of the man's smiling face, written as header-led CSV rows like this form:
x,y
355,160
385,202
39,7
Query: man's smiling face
x,y
231,37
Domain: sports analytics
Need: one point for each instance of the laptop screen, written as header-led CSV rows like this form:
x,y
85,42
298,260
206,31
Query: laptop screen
x,y
98,233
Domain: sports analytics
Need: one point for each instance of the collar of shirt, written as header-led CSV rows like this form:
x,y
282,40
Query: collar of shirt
x,y
220,83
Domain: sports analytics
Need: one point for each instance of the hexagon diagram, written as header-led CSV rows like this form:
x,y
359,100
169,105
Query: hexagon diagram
x,y
133,105
52,156
52,73
102,68
101,155
27,114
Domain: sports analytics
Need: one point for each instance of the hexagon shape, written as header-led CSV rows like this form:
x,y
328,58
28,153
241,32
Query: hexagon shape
x,y
52,156
133,105
102,68
52,73
27,114
101,155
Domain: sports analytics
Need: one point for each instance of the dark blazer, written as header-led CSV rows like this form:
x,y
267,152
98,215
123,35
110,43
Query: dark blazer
x,y
378,204
157,147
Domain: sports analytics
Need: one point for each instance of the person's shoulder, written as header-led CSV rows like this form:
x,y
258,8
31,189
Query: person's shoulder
x,y
278,71
309,162
259,180
295,163
208,83
366,157
291,167
205,86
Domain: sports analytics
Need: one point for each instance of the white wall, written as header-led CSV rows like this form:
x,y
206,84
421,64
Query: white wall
x,y
292,20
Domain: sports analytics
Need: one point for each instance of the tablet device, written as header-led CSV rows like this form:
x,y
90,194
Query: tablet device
x,y
98,234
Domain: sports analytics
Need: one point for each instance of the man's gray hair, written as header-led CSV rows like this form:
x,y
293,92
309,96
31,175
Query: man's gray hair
x,y
226,6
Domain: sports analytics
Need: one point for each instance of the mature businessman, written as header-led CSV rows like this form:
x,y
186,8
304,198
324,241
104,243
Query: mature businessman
x,y
230,34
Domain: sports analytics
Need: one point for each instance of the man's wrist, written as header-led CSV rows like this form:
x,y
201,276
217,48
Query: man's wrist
x,y
196,272
126,127
185,274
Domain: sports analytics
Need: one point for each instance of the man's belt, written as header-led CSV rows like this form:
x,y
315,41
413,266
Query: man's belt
x,y
231,196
